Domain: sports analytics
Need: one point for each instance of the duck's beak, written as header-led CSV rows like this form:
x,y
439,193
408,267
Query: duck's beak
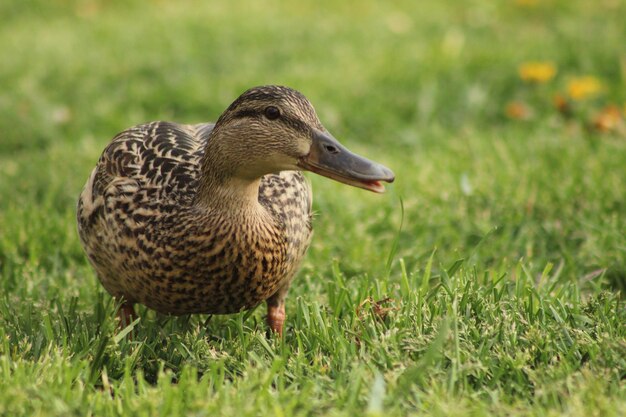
x,y
331,159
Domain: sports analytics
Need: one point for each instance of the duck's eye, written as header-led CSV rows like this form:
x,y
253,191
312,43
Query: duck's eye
x,y
272,112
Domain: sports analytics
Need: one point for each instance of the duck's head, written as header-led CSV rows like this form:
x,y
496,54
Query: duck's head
x,y
273,128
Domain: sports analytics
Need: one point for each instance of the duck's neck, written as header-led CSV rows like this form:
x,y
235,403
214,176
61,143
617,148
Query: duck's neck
x,y
231,194
220,186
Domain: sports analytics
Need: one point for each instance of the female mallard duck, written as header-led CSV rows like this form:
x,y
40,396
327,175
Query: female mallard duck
x,y
213,218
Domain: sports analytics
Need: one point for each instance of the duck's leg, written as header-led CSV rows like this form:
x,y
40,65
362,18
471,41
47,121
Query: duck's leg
x,y
276,311
276,317
126,314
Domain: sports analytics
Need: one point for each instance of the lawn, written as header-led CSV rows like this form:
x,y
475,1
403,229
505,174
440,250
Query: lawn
x,y
488,280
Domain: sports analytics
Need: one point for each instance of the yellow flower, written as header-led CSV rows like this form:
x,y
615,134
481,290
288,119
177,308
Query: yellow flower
x,y
607,120
582,88
537,72
517,110
561,104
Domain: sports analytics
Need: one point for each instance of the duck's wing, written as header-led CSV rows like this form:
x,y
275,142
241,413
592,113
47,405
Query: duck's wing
x,y
152,163
158,154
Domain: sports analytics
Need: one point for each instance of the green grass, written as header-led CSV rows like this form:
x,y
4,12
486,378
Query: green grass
x,y
495,290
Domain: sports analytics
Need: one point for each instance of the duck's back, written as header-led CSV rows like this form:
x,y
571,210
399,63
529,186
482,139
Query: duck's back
x,y
141,230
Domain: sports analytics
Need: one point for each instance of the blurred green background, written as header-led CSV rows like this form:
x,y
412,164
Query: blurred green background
x,y
433,90
503,121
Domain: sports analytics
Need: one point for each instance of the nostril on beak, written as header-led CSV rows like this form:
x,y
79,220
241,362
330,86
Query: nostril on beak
x,y
331,149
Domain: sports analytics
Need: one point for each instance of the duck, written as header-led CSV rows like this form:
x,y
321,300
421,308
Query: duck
x,y
213,218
